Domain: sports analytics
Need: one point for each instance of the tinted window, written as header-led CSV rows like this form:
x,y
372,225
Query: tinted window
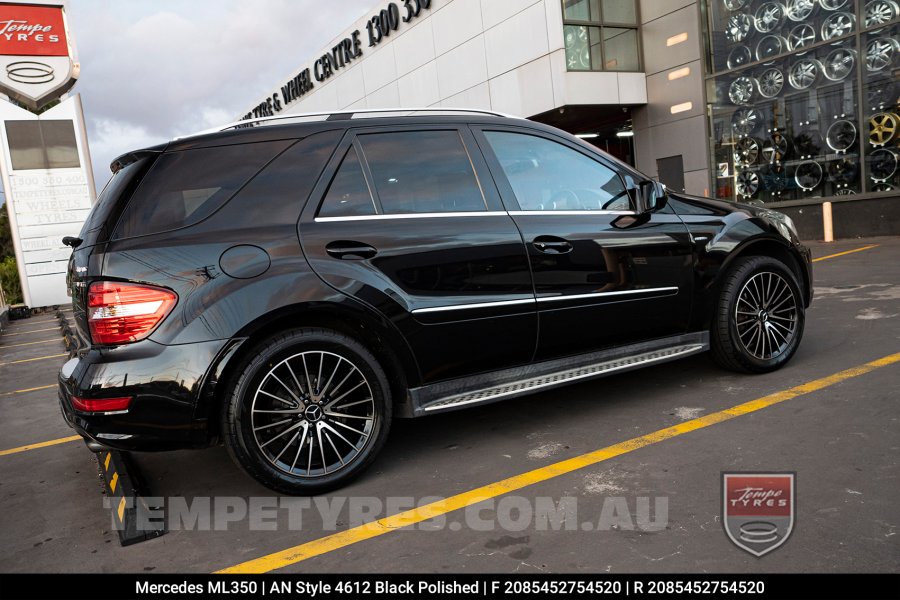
x,y
422,172
348,193
187,186
546,175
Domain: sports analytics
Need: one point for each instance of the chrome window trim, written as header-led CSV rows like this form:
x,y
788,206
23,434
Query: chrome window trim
x,y
436,215
433,309
516,213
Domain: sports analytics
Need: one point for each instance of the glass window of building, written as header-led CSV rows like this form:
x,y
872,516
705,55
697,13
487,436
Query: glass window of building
x,y
601,35
803,98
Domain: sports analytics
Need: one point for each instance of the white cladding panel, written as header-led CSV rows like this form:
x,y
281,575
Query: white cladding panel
x,y
505,55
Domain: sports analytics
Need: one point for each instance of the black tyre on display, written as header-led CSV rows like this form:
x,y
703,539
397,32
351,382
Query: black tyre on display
x,y
759,316
308,410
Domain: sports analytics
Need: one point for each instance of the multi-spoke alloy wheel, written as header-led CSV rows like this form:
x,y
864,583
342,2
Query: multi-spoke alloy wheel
x,y
879,12
745,121
839,63
769,17
315,406
804,73
838,24
766,315
799,10
880,53
741,90
738,27
801,36
309,410
771,82
759,315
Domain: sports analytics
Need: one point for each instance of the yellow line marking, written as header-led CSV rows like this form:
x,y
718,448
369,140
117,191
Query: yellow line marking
x,y
2,346
317,547
113,482
34,389
106,462
121,508
37,445
25,360
32,331
845,252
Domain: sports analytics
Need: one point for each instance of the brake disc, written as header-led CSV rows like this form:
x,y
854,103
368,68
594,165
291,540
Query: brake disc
x,y
882,128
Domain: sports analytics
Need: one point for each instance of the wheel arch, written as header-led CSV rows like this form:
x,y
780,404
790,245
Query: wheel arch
x,y
377,334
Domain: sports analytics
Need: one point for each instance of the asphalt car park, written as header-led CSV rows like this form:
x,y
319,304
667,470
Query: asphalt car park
x,y
663,434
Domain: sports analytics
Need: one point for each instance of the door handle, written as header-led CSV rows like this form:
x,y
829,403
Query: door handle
x,y
549,244
349,250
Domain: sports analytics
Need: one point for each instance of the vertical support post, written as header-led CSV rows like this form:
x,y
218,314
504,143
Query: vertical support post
x,y
827,223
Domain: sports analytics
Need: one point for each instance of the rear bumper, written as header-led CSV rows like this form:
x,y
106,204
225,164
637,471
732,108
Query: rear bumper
x,y
164,382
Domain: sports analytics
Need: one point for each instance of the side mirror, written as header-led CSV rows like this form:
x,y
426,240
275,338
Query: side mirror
x,y
653,195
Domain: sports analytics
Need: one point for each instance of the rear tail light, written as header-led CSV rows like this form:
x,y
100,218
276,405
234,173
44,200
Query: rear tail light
x,y
100,404
119,313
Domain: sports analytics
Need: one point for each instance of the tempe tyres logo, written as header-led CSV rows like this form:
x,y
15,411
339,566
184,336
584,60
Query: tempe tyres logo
x,y
758,510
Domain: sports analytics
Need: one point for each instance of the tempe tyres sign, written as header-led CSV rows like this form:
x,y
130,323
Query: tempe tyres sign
x,y
47,177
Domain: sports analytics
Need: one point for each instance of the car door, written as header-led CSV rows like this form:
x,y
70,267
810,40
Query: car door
x,y
602,276
408,221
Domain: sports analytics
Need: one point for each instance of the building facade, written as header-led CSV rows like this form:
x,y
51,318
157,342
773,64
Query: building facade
x,y
790,104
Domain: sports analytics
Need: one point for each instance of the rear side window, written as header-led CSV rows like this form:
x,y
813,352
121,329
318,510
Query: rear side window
x,y
186,186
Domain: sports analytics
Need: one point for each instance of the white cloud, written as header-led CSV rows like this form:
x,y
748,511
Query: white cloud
x,y
153,70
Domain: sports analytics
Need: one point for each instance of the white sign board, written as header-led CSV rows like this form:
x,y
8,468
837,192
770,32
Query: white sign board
x,y
49,189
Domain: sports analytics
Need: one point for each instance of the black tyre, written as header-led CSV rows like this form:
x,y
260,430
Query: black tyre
x,y
309,410
759,316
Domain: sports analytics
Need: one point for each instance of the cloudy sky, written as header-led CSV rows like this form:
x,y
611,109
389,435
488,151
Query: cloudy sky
x,y
155,69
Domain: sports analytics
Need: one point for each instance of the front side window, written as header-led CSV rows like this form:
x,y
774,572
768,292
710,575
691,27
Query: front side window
x,y
601,35
548,176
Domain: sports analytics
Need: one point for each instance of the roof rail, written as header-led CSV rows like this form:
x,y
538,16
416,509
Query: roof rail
x,y
346,113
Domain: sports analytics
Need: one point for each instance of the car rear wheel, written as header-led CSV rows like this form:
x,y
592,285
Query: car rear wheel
x,y
759,316
309,411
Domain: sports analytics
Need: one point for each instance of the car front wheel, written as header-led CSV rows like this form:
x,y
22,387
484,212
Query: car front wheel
x,y
309,411
759,316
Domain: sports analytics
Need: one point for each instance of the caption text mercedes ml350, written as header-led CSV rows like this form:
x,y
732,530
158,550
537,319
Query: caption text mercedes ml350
x,y
292,287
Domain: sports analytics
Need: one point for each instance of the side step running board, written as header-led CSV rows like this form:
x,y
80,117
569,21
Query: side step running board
x,y
562,376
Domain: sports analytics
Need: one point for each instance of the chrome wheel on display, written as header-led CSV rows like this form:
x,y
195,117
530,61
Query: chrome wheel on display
x,y
882,128
769,17
799,10
845,192
804,73
808,144
839,64
801,36
841,135
879,12
738,57
776,148
882,164
746,151
766,315
738,27
808,175
833,4
883,187
578,49
880,53
734,4
747,183
837,25
771,82
843,172
769,46
745,121
741,90
313,414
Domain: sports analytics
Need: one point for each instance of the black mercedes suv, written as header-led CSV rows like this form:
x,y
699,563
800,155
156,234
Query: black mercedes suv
x,y
289,286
